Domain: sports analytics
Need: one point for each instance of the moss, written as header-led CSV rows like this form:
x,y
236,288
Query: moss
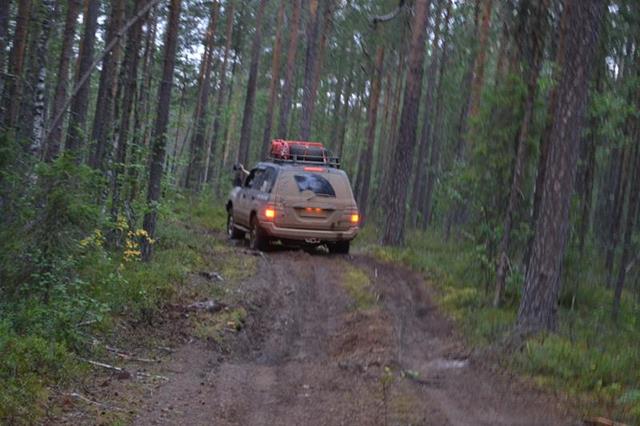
x,y
357,284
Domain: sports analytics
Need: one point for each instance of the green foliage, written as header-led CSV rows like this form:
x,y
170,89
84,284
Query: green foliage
x,y
61,279
590,357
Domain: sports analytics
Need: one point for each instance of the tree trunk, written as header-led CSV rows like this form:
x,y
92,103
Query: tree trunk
x,y
60,94
366,161
159,137
400,172
5,9
47,13
311,56
344,116
438,133
247,117
275,81
538,307
622,183
80,101
420,175
289,79
13,82
229,10
128,82
478,73
632,214
103,117
195,169
534,57
141,109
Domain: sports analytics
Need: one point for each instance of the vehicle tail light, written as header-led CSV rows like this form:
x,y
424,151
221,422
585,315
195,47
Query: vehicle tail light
x,y
270,213
355,218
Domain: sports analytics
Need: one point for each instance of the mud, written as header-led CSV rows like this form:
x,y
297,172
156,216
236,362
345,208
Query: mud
x,y
308,355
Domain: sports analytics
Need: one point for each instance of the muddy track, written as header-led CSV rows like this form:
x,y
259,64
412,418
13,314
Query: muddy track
x,y
307,356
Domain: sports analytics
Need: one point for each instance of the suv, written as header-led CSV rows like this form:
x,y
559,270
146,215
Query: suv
x,y
298,196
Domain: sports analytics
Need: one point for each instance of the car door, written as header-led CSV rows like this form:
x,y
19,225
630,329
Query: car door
x,y
243,202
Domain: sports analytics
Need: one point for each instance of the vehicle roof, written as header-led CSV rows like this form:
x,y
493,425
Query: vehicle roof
x,y
300,167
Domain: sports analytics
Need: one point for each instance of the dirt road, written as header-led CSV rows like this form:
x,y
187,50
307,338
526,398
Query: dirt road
x,y
322,346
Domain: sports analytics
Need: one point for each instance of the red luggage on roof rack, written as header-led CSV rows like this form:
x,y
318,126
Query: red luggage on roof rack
x,y
302,152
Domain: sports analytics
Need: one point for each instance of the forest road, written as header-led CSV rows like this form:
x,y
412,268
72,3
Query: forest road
x,y
316,350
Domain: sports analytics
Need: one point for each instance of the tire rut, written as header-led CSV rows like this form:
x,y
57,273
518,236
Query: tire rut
x,y
307,356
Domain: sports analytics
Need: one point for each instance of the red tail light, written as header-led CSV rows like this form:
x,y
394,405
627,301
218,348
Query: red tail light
x,y
270,213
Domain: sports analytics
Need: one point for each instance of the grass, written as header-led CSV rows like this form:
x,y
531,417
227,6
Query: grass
x,y
357,284
41,338
590,357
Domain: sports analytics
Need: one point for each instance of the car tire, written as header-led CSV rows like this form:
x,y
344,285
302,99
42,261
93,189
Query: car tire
x,y
340,247
257,238
232,232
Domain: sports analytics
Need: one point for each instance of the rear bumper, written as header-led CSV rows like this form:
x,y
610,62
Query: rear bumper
x,y
274,231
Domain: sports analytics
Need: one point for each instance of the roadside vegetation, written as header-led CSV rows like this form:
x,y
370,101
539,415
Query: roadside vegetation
x,y
73,277
591,358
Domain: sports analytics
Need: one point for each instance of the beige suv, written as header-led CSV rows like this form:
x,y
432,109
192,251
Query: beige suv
x,y
301,202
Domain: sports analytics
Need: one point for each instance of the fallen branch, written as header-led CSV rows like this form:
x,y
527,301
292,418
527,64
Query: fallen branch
x,y
129,357
104,365
83,398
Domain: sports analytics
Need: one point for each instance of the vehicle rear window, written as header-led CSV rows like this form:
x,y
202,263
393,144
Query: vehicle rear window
x,y
315,183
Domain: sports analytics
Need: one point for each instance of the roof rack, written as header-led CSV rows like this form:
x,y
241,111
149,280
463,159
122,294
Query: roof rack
x,y
302,152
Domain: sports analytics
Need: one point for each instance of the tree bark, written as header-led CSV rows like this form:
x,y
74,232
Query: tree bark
x,y
632,215
13,82
438,134
275,81
128,82
195,169
62,82
419,177
229,11
80,101
289,79
366,160
47,13
5,8
534,55
400,172
538,307
141,109
247,117
103,117
157,154
311,57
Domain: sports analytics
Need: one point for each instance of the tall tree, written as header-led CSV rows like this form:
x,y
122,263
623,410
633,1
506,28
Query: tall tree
x,y
289,79
5,9
400,172
13,83
80,101
62,79
249,104
128,81
581,28
196,167
275,80
311,57
157,154
222,87
420,175
532,52
366,160
103,116
47,13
